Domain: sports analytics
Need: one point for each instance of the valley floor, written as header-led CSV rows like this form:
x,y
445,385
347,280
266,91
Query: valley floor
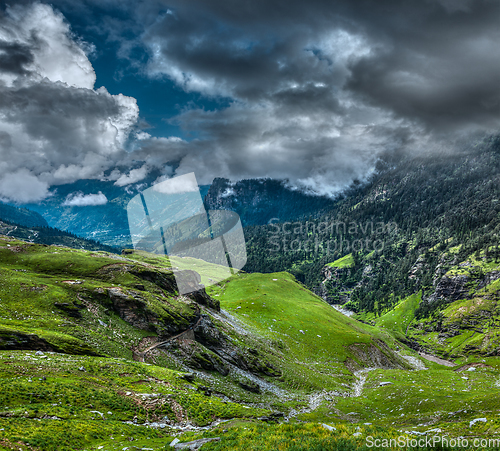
x,y
52,401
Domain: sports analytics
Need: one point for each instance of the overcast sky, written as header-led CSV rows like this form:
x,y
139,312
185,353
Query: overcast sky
x,y
310,91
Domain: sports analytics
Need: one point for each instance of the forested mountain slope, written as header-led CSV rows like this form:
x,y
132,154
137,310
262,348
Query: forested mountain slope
x,y
409,207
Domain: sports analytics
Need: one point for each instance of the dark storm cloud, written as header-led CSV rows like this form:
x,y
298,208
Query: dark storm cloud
x,y
296,100
321,88
441,70
434,61
313,91
54,126
14,57
225,58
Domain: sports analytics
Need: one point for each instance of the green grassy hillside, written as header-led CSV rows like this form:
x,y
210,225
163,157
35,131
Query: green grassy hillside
x,y
400,317
344,262
319,345
127,363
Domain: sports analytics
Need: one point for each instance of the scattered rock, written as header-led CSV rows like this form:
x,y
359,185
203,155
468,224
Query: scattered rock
x,y
99,413
195,444
249,386
383,384
189,377
330,428
477,420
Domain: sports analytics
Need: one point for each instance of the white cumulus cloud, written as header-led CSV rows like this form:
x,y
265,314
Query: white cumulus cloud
x,y
54,125
22,186
134,176
84,200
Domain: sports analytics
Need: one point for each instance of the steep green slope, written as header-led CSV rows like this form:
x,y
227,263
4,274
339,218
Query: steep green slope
x,y
399,319
347,261
325,344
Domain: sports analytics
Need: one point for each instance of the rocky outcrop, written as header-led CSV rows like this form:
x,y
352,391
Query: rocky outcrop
x,y
211,349
72,310
135,309
10,340
450,288
190,280
164,280
19,340
377,355
332,277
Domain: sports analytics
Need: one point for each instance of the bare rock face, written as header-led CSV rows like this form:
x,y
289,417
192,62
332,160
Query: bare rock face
x,y
489,278
377,355
211,349
331,277
450,289
201,297
19,340
207,334
133,308
164,280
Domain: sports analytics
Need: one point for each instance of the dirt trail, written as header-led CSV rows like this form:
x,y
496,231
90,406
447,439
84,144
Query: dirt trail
x,y
433,358
360,382
142,355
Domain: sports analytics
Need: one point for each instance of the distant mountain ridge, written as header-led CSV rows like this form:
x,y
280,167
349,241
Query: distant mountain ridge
x,y
257,201
21,216
51,236
106,223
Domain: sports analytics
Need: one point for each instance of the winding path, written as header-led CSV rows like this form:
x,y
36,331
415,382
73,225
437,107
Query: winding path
x,y
141,355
